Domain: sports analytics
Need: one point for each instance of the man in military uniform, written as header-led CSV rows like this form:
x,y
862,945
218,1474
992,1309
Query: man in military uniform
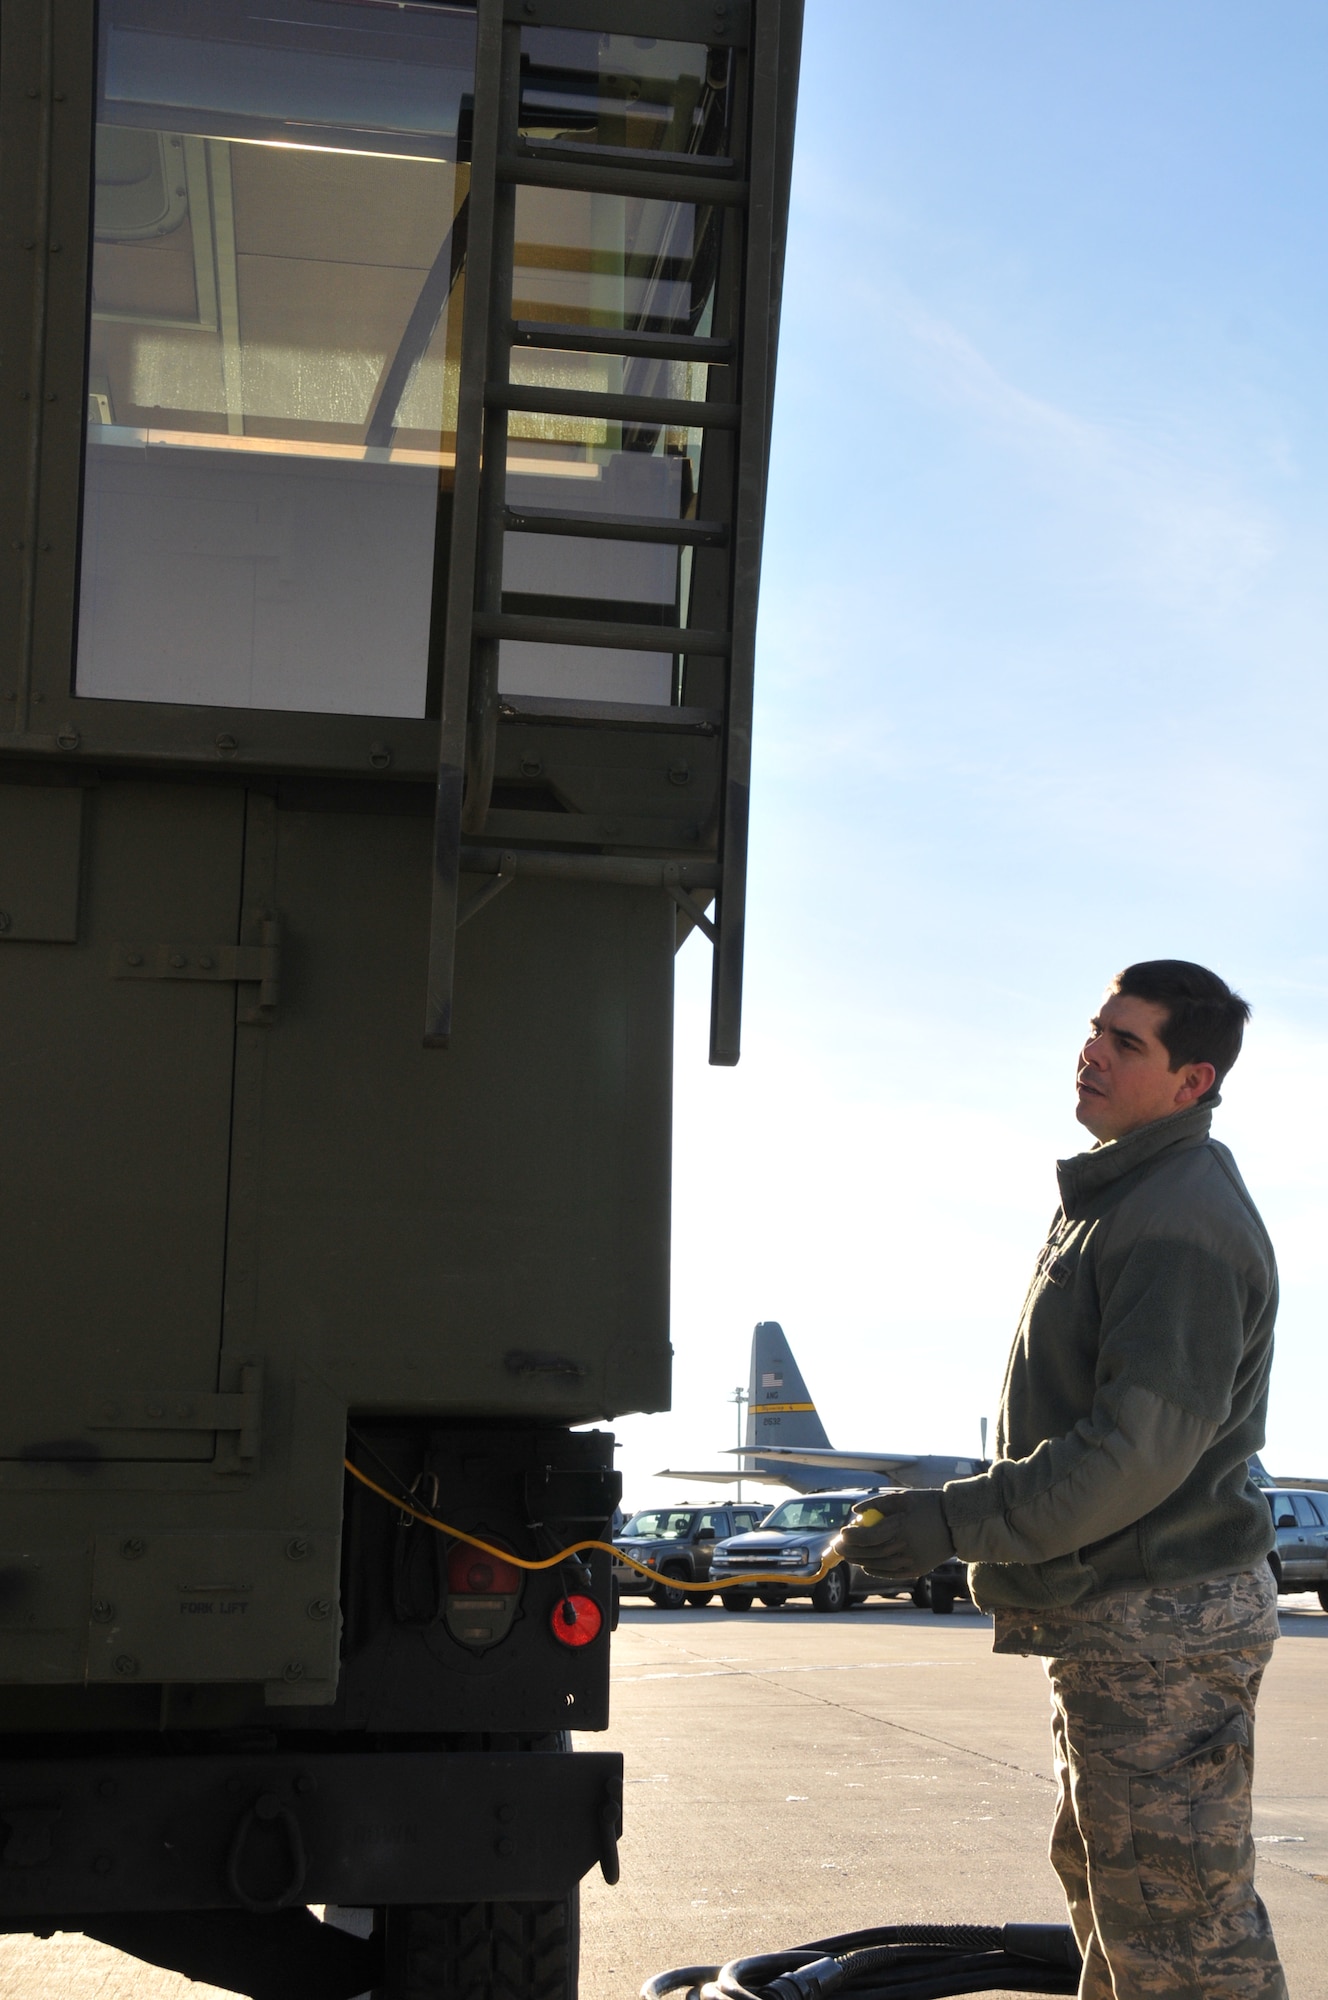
x,y
1117,1532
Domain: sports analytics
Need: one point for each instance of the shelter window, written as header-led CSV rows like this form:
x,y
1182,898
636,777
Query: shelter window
x,y
279,254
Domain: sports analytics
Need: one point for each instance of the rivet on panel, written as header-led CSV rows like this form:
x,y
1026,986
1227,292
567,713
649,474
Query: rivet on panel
x,y
126,1664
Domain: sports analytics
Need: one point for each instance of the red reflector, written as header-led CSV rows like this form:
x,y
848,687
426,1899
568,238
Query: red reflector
x,y
576,1621
471,1573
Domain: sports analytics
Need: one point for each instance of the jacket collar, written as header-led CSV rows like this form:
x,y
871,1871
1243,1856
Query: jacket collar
x,y
1086,1174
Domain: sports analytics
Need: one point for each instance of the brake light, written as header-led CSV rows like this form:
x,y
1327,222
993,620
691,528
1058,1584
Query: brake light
x,y
472,1573
483,1592
576,1621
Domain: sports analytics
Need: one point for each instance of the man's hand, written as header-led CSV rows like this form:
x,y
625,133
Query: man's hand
x,y
909,1537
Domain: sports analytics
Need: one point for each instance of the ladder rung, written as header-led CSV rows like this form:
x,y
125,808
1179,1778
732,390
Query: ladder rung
x,y
596,179
595,403
616,527
691,164
642,871
615,340
599,632
567,711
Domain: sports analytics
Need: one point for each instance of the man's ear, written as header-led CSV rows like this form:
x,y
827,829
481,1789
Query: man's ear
x,y
1195,1081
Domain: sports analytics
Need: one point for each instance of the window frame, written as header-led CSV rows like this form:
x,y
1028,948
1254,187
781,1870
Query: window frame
x,y
46,147
46,159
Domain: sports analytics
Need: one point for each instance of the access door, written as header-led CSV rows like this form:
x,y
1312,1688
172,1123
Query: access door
x,y
115,1088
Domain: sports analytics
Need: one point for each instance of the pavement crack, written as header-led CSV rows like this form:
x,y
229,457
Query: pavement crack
x,y
922,1735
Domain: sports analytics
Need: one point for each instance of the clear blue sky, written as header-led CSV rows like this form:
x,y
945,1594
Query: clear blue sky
x,y
1042,685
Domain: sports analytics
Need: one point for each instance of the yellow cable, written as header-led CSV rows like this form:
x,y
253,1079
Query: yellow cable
x,y
551,1562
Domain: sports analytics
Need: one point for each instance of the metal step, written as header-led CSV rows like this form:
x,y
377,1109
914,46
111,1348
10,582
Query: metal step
x,y
625,156
616,527
591,177
631,345
598,403
600,632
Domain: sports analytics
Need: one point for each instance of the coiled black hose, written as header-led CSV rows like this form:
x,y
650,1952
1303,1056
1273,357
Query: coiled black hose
x,y
895,1962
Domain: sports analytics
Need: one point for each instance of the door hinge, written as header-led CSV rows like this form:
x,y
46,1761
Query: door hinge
x,y
242,963
238,1413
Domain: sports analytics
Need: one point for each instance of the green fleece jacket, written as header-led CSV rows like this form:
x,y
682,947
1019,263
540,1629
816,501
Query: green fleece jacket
x,y
1137,1385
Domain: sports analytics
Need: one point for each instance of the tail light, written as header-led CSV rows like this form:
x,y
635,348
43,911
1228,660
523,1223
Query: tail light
x,y
482,1595
471,1571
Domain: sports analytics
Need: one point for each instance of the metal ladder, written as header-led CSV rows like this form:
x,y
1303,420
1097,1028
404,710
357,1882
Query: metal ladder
x,y
750,188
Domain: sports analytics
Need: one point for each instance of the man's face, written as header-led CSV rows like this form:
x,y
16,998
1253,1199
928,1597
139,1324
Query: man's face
x,y
1125,1079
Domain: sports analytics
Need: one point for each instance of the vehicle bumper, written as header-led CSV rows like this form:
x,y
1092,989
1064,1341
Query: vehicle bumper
x,y
263,1832
797,1579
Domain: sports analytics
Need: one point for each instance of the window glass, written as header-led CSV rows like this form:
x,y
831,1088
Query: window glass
x,y
818,1513
583,88
279,249
661,1524
1307,1514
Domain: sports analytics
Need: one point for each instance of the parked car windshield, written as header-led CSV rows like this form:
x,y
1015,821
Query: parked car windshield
x,y
662,1524
818,1512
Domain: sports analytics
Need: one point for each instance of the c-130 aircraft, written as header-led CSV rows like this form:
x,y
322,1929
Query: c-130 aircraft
x,y
786,1444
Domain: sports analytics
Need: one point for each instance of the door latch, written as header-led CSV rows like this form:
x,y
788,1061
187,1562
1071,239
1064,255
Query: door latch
x,y
242,963
238,1413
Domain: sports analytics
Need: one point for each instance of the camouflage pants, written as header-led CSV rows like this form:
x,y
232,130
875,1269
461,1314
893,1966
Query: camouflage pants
x,y
1152,1838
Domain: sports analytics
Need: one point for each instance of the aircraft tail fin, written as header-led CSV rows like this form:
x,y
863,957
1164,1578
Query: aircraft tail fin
x,y
779,1408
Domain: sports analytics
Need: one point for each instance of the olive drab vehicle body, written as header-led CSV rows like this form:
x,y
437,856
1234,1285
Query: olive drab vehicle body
x,y
384,415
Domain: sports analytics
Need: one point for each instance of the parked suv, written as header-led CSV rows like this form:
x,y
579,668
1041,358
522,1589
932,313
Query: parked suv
x,y
678,1542
1300,1559
793,1540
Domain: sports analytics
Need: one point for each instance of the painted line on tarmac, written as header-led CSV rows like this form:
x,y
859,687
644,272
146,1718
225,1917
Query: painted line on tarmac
x,y
761,1673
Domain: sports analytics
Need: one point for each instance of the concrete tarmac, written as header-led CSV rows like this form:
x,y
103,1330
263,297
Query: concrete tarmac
x,y
790,1776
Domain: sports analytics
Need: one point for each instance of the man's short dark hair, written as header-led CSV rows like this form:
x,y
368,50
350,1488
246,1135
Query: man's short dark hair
x,y
1205,1019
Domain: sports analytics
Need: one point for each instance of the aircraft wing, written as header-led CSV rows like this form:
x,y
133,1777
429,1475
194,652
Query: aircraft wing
x,y
904,1468
730,1474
